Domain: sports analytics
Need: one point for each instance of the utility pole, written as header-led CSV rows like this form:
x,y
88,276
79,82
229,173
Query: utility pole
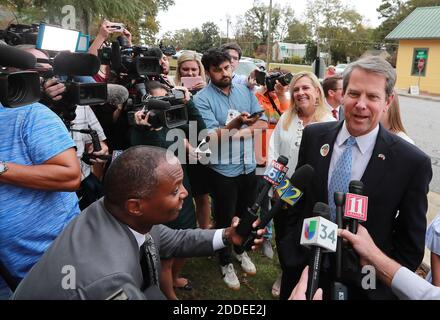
x,y
269,31
228,21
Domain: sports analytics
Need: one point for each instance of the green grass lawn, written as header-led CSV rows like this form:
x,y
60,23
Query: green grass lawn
x,y
204,274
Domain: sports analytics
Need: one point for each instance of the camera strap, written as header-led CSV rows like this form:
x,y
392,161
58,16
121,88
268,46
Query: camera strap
x,y
274,106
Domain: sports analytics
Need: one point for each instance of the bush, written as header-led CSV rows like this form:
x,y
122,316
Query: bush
x,y
293,60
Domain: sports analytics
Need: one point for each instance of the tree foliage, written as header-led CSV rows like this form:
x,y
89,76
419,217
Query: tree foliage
x,y
337,29
395,11
138,15
195,39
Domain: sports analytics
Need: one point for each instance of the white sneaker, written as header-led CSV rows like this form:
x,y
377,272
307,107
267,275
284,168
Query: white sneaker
x,y
267,249
246,264
276,287
229,276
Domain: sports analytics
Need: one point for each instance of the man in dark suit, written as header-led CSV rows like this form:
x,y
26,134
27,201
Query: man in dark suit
x,y
395,175
112,249
332,87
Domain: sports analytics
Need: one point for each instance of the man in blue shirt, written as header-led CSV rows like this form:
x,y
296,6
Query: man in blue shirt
x,y
226,110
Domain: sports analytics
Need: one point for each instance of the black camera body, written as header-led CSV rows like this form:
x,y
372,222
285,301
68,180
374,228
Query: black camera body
x,y
19,88
137,62
17,34
270,80
18,85
168,111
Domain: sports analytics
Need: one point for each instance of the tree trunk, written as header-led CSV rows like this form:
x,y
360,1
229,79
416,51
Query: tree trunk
x,y
84,21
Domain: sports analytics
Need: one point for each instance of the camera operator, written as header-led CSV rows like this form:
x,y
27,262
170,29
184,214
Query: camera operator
x,y
106,29
85,119
144,134
91,189
38,174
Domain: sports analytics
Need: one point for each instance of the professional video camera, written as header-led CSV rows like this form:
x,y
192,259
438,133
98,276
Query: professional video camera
x,y
269,81
137,62
167,111
67,66
17,87
17,34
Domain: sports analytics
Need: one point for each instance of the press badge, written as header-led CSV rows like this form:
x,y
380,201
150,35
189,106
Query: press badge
x,y
231,115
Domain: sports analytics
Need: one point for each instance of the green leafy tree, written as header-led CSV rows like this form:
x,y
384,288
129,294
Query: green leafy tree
x,y
395,11
138,15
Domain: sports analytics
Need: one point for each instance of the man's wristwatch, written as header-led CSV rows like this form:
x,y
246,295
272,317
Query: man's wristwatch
x,y
3,167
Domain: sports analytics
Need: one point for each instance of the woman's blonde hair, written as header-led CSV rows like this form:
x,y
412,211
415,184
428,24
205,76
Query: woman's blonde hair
x,y
188,56
393,114
320,111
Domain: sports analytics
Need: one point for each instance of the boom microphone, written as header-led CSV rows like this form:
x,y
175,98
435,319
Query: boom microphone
x,y
76,64
116,94
13,57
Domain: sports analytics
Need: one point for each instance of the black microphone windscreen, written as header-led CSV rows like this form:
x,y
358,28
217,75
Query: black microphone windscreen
x,y
13,57
356,187
116,94
283,160
302,176
321,209
76,64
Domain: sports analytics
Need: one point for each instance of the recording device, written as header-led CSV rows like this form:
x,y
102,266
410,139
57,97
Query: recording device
x,y
273,176
290,192
167,111
18,88
17,34
257,114
356,205
69,65
136,62
339,291
269,81
96,145
319,234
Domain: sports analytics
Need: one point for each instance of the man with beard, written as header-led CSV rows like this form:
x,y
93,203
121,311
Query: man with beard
x,y
226,110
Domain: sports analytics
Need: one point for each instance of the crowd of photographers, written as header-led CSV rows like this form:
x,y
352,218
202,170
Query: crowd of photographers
x,y
66,117
96,105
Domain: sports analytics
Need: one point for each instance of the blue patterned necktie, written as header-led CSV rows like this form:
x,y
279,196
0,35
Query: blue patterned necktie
x,y
341,175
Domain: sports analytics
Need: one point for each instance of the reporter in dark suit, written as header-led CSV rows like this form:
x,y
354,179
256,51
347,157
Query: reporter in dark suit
x,y
395,175
107,251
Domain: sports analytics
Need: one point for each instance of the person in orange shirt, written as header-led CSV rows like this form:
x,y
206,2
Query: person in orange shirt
x,y
281,100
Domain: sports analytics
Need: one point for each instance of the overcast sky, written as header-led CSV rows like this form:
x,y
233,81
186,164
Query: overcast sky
x,y
188,14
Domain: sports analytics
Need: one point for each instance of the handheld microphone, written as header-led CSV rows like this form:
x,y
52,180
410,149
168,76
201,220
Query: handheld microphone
x,y
339,290
273,175
13,57
318,233
116,94
289,191
356,205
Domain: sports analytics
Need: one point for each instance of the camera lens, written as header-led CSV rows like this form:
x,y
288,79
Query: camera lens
x,y
17,90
